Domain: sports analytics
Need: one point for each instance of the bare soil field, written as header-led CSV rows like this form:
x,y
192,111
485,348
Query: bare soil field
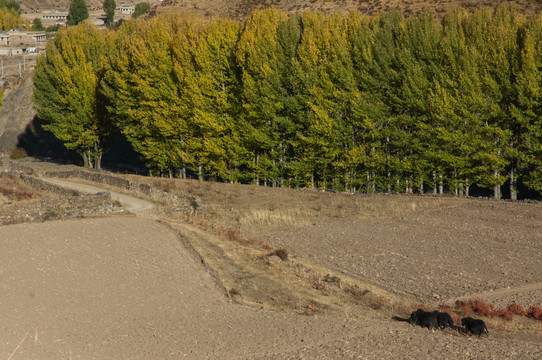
x,y
263,273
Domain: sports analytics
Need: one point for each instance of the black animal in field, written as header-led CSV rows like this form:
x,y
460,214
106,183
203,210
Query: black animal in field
x,y
424,319
475,326
443,319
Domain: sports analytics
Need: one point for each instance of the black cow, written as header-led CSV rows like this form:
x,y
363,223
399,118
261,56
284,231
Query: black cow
x,y
424,319
443,319
475,326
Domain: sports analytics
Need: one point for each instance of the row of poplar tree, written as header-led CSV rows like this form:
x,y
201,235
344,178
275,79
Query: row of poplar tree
x,y
343,102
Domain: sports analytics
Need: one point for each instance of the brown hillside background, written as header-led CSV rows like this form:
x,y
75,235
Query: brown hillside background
x,y
241,8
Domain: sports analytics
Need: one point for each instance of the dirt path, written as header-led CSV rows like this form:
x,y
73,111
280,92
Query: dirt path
x,y
130,203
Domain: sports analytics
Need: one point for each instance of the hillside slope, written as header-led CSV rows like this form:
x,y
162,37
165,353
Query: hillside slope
x,y
240,8
31,6
16,114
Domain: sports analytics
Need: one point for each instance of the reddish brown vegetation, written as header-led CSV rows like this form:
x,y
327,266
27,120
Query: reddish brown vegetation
x,y
482,308
517,310
234,235
535,312
505,314
14,193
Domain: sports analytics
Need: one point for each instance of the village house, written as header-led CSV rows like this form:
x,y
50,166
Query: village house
x,y
127,9
59,17
22,37
17,41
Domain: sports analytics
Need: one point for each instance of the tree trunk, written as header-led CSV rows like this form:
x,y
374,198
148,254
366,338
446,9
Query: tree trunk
x,y
389,183
497,188
85,160
98,162
256,164
200,173
513,184
434,183
420,188
467,187
408,186
97,157
274,179
440,185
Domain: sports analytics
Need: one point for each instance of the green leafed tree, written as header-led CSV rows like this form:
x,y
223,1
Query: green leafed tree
x,y
325,85
215,142
11,5
141,9
109,8
78,12
37,25
142,94
263,94
65,90
529,108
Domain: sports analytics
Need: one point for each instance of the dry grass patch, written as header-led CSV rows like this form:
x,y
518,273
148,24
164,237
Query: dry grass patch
x,y
251,274
255,210
16,189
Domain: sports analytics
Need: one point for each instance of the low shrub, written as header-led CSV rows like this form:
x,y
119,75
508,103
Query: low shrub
x,y
535,312
234,235
18,153
482,308
517,309
506,314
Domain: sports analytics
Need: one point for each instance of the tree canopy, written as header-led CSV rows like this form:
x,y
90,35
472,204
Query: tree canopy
x,y
109,8
65,90
343,102
78,12
141,9
9,18
11,5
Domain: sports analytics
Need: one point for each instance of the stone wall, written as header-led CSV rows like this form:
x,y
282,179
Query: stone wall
x,y
183,203
186,203
63,208
94,176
